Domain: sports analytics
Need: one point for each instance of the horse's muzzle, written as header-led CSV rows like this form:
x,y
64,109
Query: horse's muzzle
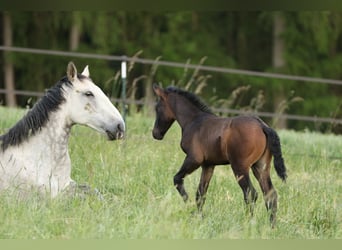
x,y
118,134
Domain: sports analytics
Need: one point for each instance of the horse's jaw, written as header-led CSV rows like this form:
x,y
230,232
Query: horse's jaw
x,y
116,132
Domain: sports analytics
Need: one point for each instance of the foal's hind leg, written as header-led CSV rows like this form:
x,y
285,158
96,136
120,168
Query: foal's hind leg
x,y
189,165
261,171
249,193
207,173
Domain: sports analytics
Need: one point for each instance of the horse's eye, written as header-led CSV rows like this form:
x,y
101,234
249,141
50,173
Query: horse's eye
x,y
88,93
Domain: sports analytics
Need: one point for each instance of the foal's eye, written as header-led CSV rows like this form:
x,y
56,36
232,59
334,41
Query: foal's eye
x,y
88,93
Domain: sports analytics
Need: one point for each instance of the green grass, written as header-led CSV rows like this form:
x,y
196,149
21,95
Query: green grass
x,y
135,177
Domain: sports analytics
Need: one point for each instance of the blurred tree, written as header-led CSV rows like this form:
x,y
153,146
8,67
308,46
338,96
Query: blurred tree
x,y
313,48
278,62
75,30
8,64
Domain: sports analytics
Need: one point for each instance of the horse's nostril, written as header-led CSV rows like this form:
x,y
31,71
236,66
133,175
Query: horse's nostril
x,y
120,127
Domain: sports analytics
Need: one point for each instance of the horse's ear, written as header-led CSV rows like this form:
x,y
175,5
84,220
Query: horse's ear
x,y
71,72
158,90
85,72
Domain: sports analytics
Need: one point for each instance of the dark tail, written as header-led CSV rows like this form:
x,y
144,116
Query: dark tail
x,y
273,143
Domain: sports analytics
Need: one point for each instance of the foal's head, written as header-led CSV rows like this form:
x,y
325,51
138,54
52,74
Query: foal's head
x,y
164,115
88,105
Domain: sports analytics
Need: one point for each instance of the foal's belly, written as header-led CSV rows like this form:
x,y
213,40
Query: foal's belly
x,y
215,156
213,162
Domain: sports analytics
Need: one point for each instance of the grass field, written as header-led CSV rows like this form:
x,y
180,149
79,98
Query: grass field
x,y
135,176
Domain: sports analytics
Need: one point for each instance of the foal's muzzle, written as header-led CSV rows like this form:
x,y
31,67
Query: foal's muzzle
x,y
157,134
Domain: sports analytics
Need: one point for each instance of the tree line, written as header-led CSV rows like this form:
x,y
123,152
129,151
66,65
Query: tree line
x,y
307,43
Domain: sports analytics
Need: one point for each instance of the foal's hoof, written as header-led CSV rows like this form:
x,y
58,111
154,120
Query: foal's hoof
x,y
273,222
197,213
185,197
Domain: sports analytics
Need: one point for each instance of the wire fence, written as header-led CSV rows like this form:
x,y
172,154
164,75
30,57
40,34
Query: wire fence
x,y
172,64
188,66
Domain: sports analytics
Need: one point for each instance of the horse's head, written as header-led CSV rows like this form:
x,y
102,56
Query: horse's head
x,y
164,115
88,105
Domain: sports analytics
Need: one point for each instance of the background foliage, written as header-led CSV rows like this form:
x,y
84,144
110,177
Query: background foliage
x,y
243,40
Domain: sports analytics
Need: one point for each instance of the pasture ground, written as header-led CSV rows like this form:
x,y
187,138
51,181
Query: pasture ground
x,y
135,177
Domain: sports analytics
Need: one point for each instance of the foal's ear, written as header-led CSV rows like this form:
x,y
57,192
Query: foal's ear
x,y
71,72
85,72
158,90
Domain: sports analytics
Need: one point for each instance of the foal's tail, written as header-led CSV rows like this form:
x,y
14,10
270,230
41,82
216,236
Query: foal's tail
x,y
273,143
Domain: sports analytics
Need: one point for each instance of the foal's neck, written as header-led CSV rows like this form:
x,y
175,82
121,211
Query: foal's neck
x,y
186,112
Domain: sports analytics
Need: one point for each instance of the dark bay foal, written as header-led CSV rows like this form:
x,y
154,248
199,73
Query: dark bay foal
x,y
245,142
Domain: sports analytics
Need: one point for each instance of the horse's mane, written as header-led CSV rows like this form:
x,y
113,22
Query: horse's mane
x,y
195,100
38,116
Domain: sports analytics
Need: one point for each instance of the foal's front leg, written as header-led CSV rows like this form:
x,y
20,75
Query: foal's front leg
x,y
189,165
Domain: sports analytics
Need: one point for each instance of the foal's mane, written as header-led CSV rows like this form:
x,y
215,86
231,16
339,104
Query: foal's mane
x,y
38,116
195,100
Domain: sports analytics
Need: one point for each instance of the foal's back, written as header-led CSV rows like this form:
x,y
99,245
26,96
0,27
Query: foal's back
x,y
213,140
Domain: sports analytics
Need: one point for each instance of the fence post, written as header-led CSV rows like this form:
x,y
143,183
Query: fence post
x,y
123,90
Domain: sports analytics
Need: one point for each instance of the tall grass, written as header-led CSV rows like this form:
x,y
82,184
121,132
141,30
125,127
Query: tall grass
x,y
135,177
